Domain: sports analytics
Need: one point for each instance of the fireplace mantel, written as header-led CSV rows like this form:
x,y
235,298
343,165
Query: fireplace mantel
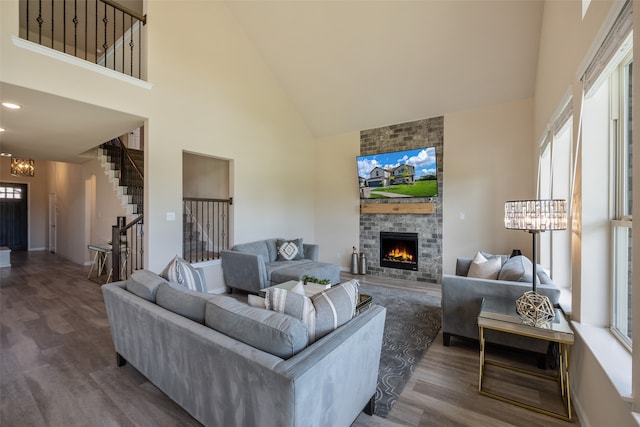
x,y
397,208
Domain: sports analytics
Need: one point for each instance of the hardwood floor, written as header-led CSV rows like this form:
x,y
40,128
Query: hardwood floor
x,y
57,364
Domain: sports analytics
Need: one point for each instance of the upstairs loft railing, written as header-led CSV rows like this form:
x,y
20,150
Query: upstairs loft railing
x,y
100,31
205,227
127,256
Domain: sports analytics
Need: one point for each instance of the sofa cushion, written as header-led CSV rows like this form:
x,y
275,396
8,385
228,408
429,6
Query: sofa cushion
x,y
182,301
484,268
517,269
144,284
294,304
257,248
335,307
181,272
289,250
269,331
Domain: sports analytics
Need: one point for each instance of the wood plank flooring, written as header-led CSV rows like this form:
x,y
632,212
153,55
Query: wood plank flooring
x,y
57,364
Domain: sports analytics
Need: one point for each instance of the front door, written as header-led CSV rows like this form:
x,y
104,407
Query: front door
x,y
13,216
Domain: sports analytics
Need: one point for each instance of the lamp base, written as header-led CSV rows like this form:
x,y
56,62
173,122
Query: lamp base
x,y
534,309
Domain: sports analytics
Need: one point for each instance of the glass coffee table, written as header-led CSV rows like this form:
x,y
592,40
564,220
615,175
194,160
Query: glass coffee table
x,y
500,315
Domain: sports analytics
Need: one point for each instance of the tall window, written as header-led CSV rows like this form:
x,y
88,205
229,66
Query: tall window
x,y
554,182
621,223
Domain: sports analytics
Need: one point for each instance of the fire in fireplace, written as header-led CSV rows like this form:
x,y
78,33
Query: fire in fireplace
x,y
399,250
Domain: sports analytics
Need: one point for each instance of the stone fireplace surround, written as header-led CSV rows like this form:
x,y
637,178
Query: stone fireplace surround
x,y
405,136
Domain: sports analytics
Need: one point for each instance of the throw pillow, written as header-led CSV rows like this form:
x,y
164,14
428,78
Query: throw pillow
x,y
290,249
293,304
256,301
335,307
298,288
484,268
181,272
543,277
517,269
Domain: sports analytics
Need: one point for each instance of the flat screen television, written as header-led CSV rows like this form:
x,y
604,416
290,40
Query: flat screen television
x,y
407,173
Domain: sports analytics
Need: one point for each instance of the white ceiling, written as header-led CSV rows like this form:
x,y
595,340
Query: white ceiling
x,y
346,65
49,127
355,65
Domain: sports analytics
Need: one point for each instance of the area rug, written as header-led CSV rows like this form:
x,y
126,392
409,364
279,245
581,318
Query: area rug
x,y
413,321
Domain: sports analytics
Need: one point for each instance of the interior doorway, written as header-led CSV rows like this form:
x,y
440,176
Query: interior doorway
x,y
14,216
53,219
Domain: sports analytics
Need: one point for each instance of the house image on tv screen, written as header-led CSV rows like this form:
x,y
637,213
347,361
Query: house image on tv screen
x,y
409,173
379,177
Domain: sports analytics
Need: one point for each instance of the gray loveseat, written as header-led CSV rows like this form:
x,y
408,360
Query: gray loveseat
x,y
256,265
462,296
193,347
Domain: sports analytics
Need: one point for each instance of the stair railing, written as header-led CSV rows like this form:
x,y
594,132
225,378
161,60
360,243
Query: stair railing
x,y
131,176
205,228
101,31
127,247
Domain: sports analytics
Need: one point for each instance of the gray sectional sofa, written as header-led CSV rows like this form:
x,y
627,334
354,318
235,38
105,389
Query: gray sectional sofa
x,y
462,296
257,265
229,364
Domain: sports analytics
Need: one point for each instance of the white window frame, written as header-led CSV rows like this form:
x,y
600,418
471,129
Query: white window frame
x,y
621,220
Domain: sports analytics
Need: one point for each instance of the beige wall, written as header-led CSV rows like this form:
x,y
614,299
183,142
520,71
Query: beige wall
x,y
337,204
487,161
230,107
205,177
38,201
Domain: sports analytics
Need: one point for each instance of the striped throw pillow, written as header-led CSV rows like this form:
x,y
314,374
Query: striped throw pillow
x,y
293,304
181,272
335,307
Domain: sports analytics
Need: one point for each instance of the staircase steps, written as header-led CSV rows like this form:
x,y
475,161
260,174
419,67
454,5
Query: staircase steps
x,y
130,183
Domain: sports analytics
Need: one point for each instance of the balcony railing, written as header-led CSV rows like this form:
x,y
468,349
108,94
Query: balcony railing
x,y
100,31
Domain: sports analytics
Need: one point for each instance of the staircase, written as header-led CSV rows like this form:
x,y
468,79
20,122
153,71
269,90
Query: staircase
x,y
123,167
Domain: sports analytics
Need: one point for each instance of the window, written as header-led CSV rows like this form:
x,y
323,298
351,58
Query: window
x,y
554,182
10,192
621,223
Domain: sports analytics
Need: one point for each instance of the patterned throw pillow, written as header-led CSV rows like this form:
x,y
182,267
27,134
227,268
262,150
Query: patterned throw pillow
x,y
293,304
181,272
290,249
335,307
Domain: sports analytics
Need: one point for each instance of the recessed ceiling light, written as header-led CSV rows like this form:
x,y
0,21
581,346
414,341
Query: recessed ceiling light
x,y
5,154
1,129
11,105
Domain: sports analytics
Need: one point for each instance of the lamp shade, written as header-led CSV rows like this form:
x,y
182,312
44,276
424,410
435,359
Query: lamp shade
x,y
535,215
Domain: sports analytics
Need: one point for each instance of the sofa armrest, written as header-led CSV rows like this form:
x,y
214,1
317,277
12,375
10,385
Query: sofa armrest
x,y
311,251
462,296
244,271
337,375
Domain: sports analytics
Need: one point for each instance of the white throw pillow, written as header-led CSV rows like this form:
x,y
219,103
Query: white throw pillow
x,y
256,301
483,268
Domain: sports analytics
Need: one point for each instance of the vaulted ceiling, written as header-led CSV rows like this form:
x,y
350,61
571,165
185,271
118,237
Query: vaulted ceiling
x,y
345,65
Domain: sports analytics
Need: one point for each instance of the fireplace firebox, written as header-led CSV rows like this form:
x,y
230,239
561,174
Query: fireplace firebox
x,y
399,250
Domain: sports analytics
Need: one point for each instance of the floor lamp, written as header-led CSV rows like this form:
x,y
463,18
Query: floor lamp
x,y
535,216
